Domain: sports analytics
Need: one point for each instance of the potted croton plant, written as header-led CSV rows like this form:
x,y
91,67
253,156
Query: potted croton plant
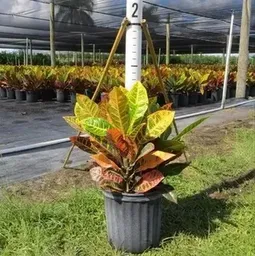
x,y
127,137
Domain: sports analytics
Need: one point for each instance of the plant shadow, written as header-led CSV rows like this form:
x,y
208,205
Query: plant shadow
x,y
197,215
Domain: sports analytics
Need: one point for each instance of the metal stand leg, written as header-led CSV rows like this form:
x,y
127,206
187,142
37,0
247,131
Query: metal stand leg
x,y
154,59
119,36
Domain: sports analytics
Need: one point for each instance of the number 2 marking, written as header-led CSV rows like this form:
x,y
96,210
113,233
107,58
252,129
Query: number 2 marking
x,y
135,5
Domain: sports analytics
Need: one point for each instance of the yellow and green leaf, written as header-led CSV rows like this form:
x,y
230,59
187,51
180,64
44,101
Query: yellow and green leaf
x,y
74,123
85,107
118,110
96,126
158,122
138,104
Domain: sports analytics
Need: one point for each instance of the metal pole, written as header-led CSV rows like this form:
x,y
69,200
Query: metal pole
x,y
147,54
243,60
228,61
168,41
52,34
94,53
31,52
191,53
174,52
133,42
82,50
159,56
26,51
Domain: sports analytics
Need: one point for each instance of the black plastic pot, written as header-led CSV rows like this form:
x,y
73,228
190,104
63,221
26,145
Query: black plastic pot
x,y
232,92
20,95
228,93
73,97
32,96
174,97
3,93
61,96
202,98
252,91
193,98
10,93
133,220
160,99
47,94
217,95
183,100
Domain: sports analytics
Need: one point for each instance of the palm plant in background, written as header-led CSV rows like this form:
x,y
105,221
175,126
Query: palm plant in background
x,y
75,11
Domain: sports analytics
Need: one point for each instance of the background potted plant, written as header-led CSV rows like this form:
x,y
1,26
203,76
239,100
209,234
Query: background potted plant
x,y
128,140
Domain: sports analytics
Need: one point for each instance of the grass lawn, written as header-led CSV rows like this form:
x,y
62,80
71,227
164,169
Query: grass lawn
x,y
212,218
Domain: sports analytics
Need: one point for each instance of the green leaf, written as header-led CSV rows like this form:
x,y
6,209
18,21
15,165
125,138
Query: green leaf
x,y
168,193
171,146
118,110
158,122
136,131
153,106
96,126
138,104
173,169
190,128
85,107
166,133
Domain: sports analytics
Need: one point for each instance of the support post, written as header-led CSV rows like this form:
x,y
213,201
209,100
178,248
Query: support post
x,y
223,56
52,34
147,54
27,42
82,50
191,53
243,60
31,52
168,41
159,56
94,53
225,85
133,42
174,52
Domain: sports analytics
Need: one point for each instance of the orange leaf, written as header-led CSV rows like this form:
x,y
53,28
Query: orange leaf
x,y
83,143
111,176
168,106
153,160
104,161
149,181
125,146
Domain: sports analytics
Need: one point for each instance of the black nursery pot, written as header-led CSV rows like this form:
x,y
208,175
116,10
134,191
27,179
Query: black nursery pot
x,y
202,98
20,95
252,91
133,220
47,94
183,100
61,96
174,97
232,92
32,96
10,93
193,98
3,93
73,97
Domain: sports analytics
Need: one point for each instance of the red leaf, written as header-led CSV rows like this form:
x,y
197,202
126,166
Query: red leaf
x,y
149,181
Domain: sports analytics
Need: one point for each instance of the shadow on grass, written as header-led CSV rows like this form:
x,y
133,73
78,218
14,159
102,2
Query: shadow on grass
x,y
195,215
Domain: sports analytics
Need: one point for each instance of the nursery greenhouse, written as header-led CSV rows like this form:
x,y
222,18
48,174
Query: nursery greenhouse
x,y
203,24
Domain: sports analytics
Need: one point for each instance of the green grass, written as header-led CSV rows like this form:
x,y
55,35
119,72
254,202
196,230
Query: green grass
x,y
198,225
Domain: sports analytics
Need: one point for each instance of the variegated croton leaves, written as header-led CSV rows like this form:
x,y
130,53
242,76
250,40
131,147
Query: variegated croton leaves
x,y
128,139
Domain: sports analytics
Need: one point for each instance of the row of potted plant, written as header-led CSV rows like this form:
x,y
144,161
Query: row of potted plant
x,y
187,85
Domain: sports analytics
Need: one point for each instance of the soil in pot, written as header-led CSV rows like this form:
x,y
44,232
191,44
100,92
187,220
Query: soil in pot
x,y
32,96
183,100
10,93
3,93
20,95
133,220
61,96
73,97
193,98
